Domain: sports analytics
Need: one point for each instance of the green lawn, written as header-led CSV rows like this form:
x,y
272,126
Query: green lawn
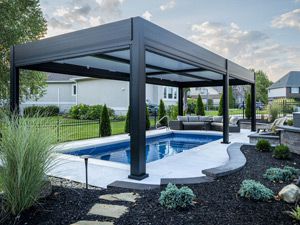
x,y
233,112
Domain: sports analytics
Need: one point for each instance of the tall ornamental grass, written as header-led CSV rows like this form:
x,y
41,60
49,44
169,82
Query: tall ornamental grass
x,y
26,154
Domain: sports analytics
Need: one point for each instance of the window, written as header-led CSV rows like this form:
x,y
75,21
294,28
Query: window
x,y
170,93
295,90
74,89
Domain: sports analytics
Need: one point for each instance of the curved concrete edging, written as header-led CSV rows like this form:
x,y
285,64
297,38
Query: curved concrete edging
x,y
236,161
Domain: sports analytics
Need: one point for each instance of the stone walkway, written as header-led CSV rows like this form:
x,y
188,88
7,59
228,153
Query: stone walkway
x,y
109,210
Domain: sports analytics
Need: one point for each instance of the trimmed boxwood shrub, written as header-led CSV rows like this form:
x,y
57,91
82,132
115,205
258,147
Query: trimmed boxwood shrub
x,y
281,152
105,128
41,111
277,174
173,197
127,121
254,190
162,113
263,145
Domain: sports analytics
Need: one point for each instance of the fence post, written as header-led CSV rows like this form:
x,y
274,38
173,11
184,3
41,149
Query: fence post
x,y
57,129
99,126
243,109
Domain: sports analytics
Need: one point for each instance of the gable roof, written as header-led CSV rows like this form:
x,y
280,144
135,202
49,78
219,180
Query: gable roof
x,y
291,79
57,77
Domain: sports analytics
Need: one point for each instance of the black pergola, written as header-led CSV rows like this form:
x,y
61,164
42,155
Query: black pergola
x,y
140,52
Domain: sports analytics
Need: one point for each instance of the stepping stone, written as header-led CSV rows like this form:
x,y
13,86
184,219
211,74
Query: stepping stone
x,y
86,222
114,211
128,197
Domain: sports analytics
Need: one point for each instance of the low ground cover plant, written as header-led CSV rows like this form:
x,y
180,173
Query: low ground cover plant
x,y
277,174
173,197
281,152
263,145
254,190
26,155
295,213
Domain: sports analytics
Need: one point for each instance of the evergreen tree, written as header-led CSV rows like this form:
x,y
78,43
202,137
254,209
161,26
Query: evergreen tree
x,y
147,119
248,107
220,111
127,127
200,107
231,98
162,113
105,128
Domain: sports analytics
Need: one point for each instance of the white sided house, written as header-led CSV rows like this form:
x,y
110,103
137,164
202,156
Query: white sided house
x,y
286,87
67,90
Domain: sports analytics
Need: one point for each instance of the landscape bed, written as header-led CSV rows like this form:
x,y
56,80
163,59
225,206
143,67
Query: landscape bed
x,y
216,202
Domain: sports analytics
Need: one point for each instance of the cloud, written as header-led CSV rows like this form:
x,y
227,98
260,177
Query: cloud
x,y
76,14
147,15
252,49
289,19
169,5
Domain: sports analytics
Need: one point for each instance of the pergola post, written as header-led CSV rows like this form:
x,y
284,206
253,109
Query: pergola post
x,y
137,103
180,101
14,83
253,107
226,106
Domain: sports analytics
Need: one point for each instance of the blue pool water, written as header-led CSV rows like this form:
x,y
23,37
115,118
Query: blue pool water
x,y
156,147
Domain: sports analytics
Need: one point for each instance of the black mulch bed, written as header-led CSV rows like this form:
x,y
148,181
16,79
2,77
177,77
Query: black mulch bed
x,y
217,202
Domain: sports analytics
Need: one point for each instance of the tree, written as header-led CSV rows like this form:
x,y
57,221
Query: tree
x,y
231,98
162,113
220,110
127,121
248,106
105,128
200,107
20,21
210,104
185,99
262,83
147,119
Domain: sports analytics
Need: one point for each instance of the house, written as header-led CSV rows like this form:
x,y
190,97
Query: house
x,y
67,90
206,93
286,87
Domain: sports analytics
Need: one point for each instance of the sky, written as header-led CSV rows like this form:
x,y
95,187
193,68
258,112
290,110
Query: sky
x,y
259,34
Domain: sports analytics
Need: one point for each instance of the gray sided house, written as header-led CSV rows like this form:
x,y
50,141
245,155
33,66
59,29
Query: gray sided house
x,y
68,90
286,87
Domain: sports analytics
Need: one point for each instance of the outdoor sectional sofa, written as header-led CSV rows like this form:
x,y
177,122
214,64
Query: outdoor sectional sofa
x,y
204,123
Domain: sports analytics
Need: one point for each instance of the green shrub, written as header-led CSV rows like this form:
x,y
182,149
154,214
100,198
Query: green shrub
x,y
248,106
94,112
88,112
295,213
162,113
254,190
79,111
281,152
32,111
231,98
127,125
220,110
26,155
148,124
173,197
210,104
263,145
191,105
172,111
273,110
290,122
200,107
277,174
105,127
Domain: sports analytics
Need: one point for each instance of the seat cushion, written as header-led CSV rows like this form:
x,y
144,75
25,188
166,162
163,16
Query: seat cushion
x,y
194,123
182,118
205,118
193,119
233,120
218,119
217,124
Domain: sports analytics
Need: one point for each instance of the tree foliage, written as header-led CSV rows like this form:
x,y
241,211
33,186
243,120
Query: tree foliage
x,y
248,106
127,121
262,83
20,21
162,113
231,98
105,128
200,107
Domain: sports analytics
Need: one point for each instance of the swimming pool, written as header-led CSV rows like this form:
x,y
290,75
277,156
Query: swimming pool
x,y
157,147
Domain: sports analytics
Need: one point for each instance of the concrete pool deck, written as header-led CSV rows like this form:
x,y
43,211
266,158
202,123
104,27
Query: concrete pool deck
x,y
187,164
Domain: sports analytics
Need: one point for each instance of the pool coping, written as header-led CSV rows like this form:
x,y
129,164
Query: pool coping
x,y
236,162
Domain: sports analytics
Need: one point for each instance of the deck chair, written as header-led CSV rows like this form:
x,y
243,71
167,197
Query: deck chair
x,y
271,128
